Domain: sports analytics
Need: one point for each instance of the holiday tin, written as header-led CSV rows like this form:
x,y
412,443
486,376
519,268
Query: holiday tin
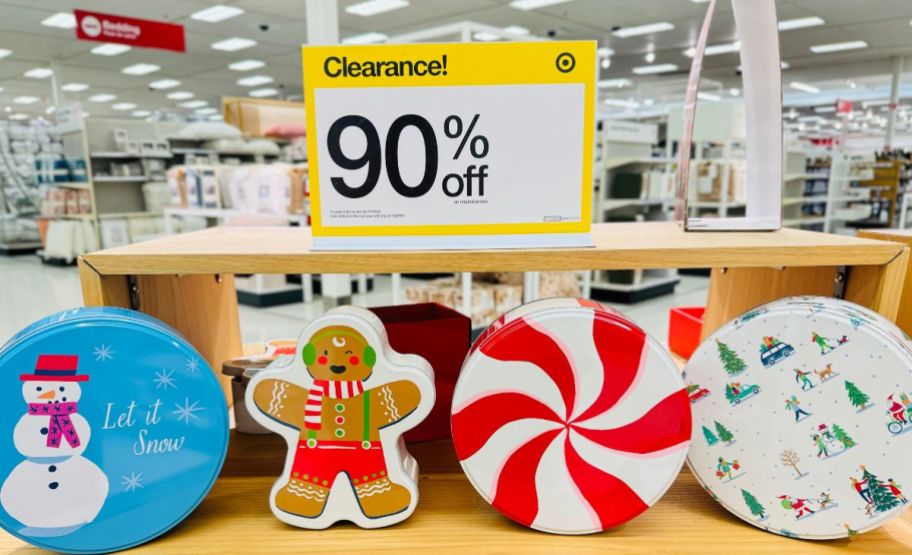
x,y
116,430
342,406
803,427
568,418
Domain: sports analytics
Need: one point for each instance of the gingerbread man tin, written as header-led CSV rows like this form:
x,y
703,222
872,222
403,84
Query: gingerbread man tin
x,y
342,406
800,426
116,429
568,418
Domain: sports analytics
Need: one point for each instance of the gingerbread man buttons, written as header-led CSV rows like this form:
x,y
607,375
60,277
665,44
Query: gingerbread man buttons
x,y
342,407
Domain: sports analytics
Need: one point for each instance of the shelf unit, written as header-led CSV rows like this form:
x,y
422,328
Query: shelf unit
x,y
749,269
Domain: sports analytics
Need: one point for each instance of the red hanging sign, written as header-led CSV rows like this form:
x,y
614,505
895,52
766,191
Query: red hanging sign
x,y
144,33
843,106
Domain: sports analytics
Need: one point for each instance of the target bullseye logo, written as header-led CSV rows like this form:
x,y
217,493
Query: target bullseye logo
x,y
90,26
565,62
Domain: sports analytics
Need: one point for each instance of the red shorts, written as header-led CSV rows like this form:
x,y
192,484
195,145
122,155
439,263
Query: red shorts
x,y
322,463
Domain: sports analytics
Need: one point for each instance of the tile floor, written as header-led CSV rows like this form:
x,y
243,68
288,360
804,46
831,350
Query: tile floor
x,y
30,290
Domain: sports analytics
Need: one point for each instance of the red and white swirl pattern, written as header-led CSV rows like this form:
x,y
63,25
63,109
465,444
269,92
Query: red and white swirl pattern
x,y
567,418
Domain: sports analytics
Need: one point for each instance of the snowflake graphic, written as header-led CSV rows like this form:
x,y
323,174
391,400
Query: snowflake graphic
x,y
187,411
103,353
163,379
193,365
133,481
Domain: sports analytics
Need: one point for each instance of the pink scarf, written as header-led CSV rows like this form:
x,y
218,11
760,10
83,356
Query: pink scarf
x,y
332,389
60,425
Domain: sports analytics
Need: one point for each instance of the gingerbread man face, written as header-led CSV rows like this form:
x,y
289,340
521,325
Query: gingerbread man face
x,y
339,353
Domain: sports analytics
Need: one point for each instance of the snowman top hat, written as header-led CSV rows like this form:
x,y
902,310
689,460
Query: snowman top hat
x,y
55,368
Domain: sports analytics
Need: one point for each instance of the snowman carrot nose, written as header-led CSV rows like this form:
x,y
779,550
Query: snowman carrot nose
x,y
48,395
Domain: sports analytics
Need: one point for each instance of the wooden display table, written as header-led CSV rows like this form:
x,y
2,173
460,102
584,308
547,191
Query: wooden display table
x,y
186,280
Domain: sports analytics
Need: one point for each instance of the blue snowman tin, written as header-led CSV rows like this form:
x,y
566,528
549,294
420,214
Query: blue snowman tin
x,y
114,430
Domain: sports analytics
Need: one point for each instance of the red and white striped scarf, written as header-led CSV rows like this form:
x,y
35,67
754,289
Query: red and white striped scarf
x,y
334,390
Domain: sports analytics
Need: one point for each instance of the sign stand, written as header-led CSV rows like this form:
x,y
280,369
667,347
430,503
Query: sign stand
x,y
757,28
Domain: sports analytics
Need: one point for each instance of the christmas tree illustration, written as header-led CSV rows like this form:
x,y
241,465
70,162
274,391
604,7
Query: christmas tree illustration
x,y
711,438
790,458
856,396
730,359
842,436
753,505
883,500
723,432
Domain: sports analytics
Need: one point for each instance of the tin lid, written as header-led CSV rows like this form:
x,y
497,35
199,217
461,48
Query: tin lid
x,y
801,409
115,429
568,418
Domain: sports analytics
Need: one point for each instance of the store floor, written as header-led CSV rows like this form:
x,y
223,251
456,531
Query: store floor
x,y
31,290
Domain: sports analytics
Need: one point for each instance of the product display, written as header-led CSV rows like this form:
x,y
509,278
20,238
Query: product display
x,y
568,418
801,427
342,406
116,429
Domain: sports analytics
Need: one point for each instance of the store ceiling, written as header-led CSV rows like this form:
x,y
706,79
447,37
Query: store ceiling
x,y
203,71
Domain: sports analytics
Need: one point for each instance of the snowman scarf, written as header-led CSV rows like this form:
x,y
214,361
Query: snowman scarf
x,y
60,425
330,388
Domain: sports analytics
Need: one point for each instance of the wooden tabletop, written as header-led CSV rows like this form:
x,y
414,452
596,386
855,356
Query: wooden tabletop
x,y
452,518
236,250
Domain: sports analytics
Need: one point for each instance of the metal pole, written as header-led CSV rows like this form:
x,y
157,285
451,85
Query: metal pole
x,y
322,22
894,100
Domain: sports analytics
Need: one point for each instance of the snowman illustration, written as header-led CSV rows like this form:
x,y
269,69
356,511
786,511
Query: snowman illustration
x,y
55,490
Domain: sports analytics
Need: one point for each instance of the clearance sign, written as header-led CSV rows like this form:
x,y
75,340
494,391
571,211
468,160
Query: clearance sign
x,y
475,145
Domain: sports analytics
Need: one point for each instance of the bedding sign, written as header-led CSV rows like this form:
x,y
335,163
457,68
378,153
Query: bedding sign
x,y
462,145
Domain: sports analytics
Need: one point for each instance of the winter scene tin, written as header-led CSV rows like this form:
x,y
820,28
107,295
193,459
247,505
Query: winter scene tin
x,y
802,427
568,418
115,428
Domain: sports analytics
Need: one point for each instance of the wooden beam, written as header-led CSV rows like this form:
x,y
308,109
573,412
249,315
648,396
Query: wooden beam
x,y
102,290
882,288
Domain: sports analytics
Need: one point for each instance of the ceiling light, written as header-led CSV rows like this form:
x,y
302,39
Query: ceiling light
x,y
709,97
699,1
25,99
534,4
852,84
648,102
657,68
39,73
193,104
373,7
257,93
110,49
804,87
366,38
233,44
485,36
869,103
614,83
516,30
621,103
650,57
811,118
123,106
782,65
164,84
75,87
247,65
255,80
216,117
606,63
18,116
604,52
800,23
714,49
4,53
217,13
825,109
62,20
734,91
791,114
205,111
50,110
141,113
180,95
838,46
102,98
647,29
140,69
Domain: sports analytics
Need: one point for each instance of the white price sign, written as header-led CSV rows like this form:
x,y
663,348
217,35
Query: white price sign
x,y
450,145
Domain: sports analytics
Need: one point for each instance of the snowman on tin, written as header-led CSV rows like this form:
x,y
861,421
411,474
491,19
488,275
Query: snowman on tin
x,y
55,490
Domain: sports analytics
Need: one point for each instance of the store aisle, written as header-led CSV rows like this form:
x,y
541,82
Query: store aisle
x,y
31,290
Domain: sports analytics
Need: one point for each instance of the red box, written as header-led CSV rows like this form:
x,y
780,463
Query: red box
x,y
442,336
685,327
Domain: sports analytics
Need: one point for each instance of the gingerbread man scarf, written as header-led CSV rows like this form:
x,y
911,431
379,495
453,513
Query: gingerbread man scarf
x,y
60,425
334,389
